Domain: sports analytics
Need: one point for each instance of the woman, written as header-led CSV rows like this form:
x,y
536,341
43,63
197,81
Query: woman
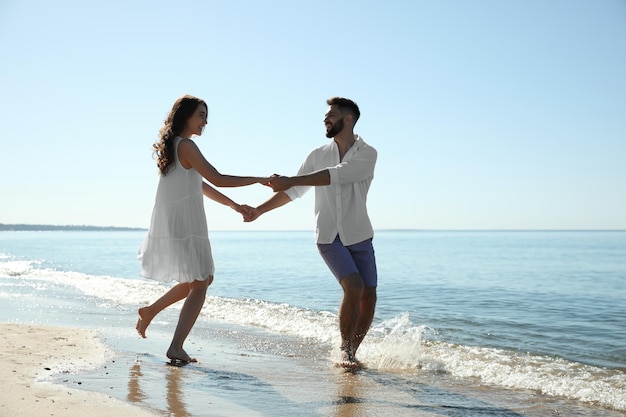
x,y
177,246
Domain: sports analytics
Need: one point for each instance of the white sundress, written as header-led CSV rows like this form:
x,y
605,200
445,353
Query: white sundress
x,y
177,246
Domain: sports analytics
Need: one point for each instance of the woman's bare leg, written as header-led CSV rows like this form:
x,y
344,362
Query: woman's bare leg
x,y
146,314
188,315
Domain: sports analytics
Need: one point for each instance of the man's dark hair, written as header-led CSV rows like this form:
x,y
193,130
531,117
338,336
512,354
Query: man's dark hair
x,y
345,106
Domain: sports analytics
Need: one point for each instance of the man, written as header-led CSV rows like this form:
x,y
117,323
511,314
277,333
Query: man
x,y
341,173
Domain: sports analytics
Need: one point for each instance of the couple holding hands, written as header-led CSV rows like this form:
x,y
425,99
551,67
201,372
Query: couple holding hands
x,y
177,246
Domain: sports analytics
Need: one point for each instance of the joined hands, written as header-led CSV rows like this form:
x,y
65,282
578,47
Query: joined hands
x,y
249,213
277,183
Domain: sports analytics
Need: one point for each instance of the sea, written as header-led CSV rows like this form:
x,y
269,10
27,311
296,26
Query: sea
x,y
468,323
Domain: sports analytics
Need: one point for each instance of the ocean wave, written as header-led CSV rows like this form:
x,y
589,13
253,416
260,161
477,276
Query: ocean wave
x,y
15,268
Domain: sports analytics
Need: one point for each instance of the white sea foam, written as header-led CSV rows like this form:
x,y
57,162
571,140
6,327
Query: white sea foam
x,y
15,268
401,347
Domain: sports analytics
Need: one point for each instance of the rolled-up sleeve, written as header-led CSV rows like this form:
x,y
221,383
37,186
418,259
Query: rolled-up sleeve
x,y
358,168
340,207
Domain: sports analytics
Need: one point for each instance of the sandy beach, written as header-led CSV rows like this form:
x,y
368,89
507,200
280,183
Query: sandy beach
x,y
31,353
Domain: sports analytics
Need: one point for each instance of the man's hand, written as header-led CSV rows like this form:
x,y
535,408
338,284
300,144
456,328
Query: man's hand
x,y
280,183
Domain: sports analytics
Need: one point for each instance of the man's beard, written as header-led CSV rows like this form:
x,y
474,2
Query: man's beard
x,y
336,129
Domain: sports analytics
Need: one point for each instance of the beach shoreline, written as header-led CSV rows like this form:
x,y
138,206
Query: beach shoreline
x,y
32,354
71,372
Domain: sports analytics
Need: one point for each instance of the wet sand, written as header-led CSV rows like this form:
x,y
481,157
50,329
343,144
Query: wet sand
x,y
235,379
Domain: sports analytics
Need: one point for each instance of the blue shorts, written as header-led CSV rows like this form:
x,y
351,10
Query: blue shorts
x,y
354,259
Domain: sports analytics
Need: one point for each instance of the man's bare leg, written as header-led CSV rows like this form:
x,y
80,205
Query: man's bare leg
x,y
349,315
146,314
366,316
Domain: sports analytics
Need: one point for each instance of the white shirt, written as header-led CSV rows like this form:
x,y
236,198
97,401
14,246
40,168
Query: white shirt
x,y
340,208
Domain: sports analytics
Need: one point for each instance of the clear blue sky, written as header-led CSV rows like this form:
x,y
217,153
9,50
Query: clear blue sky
x,y
486,114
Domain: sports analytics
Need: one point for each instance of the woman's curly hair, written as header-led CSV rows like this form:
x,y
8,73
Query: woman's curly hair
x,y
173,126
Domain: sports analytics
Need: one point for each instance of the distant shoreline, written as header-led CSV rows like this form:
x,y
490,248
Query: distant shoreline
x,y
47,228
87,228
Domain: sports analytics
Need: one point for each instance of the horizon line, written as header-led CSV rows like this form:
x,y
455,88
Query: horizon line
x,y
51,227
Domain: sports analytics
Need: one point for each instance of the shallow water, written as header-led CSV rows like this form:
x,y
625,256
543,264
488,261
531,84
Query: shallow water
x,y
468,323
